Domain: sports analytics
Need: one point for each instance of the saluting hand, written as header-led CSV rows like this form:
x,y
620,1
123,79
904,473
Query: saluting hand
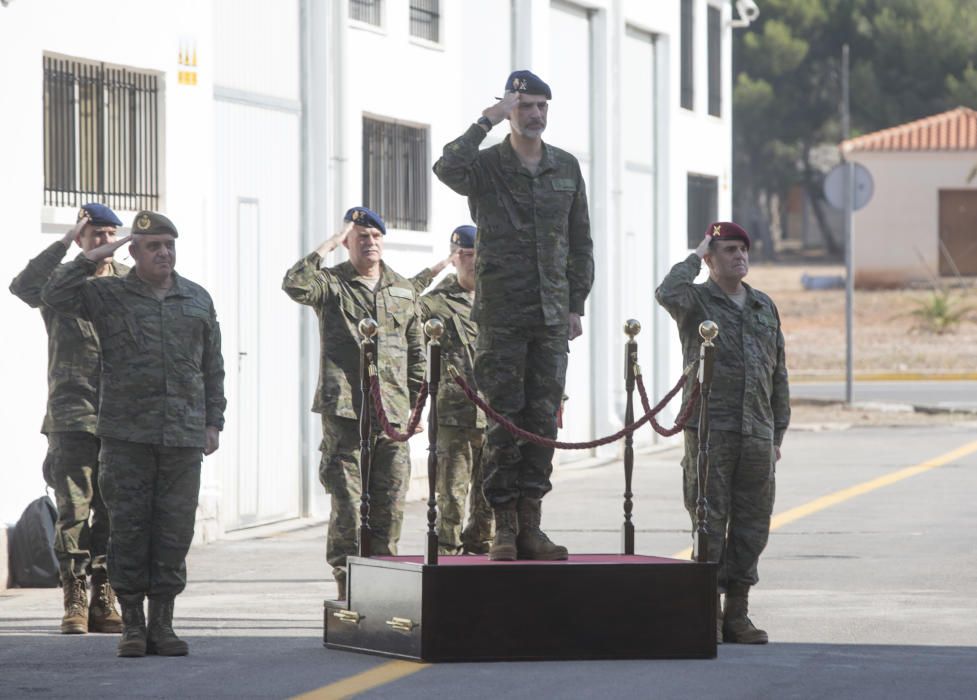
x,y
73,232
703,247
501,109
106,251
333,242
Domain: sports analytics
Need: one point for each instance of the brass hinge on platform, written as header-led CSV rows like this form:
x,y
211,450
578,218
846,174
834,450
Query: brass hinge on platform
x,y
350,616
402,624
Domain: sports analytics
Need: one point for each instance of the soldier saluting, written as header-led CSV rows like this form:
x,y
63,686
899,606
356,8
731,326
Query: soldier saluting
x,y
534,270
461,424
162,407
362,287
71,465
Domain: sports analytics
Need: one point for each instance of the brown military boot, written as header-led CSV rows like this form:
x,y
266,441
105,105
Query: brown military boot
x,y
532,542
75,620
162,639
102,614
133,642
737,627
506,527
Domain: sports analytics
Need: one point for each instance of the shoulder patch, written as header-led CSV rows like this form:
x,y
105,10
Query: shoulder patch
x,y
564,184
401,292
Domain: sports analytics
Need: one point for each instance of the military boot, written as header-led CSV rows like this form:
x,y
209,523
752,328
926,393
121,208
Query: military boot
x,y
102,614
133,642
737,627
506,527
532,542
75,620
340,576
162,639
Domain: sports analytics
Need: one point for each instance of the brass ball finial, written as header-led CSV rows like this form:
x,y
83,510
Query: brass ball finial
x,y
434,329
708,330
631,328
368,328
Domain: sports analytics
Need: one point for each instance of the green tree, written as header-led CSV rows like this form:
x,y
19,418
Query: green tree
x,y
909,59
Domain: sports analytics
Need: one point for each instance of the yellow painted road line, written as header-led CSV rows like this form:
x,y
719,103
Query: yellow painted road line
x,y
362,682
833,499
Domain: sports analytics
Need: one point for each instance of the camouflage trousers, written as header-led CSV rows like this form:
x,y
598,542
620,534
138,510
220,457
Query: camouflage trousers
x,y
740,491
521,372
460,478
82,532
339,472
151,492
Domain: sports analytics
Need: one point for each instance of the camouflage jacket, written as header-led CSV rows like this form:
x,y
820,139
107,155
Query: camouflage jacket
x,y
162,369
750,395
73,365
535,256
451,303
341,302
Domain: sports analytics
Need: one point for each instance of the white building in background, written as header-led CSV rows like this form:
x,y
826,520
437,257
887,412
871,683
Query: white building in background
x,y
254,125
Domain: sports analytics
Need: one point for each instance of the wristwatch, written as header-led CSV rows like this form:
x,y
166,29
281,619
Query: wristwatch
x,y
485,122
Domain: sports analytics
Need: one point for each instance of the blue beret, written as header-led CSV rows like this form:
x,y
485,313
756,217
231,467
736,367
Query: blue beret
x,y
727,230
464,236
99,215
527,82
361,216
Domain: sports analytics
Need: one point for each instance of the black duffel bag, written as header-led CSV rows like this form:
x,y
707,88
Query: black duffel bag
x,y
33,563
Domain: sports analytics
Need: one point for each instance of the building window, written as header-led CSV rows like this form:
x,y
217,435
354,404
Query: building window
x,y
703,201
425,19
396,173
688,53
715,62
101,135
367,11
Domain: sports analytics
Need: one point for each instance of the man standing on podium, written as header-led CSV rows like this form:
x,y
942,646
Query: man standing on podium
x,y
534,270
748,413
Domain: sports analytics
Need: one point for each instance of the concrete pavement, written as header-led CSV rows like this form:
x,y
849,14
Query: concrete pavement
x,y
956,395
871,597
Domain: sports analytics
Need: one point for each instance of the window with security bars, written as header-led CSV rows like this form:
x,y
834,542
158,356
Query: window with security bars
x,y
715,58
425,19
367,11
396,173
687,51
101,135
703,206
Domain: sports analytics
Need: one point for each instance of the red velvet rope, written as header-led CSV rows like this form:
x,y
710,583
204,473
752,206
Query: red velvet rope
x,y
415,416
683,417
547,442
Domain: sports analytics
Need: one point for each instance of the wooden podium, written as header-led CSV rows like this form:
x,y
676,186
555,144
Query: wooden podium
x,y
467,608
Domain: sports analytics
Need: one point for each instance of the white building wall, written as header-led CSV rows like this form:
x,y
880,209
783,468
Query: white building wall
x,y
896,236
250,90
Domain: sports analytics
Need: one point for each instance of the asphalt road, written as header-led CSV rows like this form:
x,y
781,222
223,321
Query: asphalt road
x,y
937,394
872,597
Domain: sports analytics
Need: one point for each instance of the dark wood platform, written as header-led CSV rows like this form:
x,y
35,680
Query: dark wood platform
x,y
467,608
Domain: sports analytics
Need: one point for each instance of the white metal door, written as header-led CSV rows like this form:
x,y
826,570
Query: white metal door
x,y
248,386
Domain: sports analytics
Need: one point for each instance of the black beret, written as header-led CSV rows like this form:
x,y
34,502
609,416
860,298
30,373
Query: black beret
x,y
99,215
464,236
151,222
361,216
727,230
529,83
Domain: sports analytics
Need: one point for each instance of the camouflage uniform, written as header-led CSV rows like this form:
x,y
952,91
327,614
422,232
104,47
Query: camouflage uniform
x,y
749,412
461,425
341,301
71,464
534,266
162,386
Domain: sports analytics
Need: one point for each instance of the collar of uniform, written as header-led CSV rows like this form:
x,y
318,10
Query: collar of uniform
x,y
751,297
118,269
449,285
349,273
511,162
135,283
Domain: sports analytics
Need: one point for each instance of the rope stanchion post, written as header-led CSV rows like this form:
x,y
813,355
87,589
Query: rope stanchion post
x,y
631,328
708,330
433,329
368,330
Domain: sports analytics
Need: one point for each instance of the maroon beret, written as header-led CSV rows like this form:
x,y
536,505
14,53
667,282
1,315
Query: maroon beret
x,y
727,230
